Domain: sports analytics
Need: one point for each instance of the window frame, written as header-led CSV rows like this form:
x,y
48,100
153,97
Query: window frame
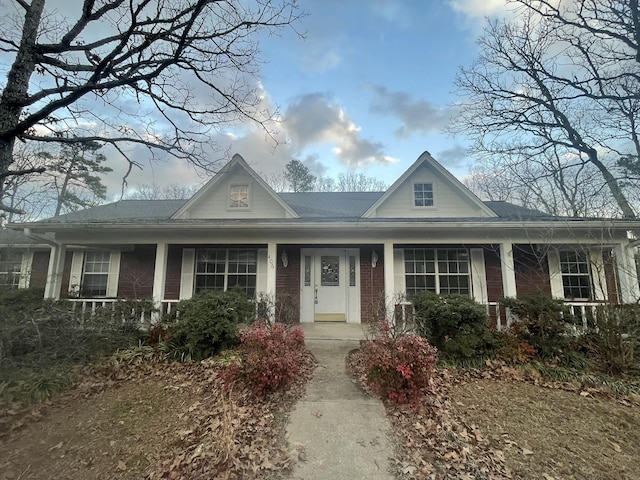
x,y
231,201
414,198
15,275
250,287
565,276
437,275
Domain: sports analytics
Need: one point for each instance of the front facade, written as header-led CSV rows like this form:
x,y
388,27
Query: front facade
x,y
344,257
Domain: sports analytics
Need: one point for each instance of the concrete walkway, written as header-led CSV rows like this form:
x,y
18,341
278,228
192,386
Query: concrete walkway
x,y
337,431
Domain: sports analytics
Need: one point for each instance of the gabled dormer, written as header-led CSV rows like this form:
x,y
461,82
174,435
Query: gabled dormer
x,y
428,190
235,192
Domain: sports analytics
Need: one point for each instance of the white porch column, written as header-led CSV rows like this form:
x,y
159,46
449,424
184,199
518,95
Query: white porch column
x,y
55,272
508,270
272,261
159,276
389,280
627,274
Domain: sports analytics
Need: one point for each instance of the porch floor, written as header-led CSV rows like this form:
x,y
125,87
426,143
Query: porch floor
x,y
334,331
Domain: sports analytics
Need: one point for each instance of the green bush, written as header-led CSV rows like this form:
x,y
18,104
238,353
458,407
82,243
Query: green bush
x,y
545,324
40,340
455,324
19,301
614,340
209,322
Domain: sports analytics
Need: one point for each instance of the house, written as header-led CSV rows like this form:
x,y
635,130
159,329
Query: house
x,y
332,256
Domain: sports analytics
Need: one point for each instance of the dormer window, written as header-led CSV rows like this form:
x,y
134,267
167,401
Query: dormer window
x,y
239,196
423,195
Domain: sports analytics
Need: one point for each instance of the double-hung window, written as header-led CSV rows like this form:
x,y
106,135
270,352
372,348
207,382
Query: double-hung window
x,y
576,276
219,269
94,274
10,269
437,270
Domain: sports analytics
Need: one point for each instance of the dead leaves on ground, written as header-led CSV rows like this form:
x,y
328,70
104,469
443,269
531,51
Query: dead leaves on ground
x,y
225,432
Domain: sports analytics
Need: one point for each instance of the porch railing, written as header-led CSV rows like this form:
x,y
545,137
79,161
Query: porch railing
x,y
501,318
89,306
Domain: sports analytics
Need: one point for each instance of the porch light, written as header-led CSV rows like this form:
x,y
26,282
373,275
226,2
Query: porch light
x,y
285,259
374,259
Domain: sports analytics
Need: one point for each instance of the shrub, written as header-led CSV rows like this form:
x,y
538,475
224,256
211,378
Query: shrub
x,y
209,322
614,341
455,324
40,340
398,368
270,357
545,323
513,349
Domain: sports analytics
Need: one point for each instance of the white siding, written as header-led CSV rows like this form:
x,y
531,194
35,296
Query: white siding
x,y
216,205
449,201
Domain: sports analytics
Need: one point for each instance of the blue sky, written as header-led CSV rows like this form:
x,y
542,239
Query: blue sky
x,y
369,88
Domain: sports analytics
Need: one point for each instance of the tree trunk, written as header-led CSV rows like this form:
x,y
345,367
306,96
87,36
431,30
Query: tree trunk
x,y
16,90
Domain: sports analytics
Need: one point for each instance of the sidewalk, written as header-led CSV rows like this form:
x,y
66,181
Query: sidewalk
x,y
337,431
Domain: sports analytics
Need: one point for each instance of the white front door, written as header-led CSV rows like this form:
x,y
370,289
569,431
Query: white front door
x,y
330,285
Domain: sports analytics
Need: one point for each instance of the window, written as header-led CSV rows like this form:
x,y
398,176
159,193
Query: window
x,y
10,269
423,195
219,269
239,196
576,278
436,270
95,274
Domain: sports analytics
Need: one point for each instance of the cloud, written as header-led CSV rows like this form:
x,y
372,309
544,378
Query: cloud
x,y
392,11
479,8
417,116
313,118
453,157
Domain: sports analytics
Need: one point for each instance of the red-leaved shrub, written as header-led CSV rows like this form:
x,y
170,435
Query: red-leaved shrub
x,y
270,357
399,368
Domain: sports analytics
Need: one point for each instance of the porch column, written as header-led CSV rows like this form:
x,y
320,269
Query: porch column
x,y
389,280
508,270
159,276
55,272
272,261
627,274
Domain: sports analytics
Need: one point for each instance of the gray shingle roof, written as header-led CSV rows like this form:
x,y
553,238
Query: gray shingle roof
x,y
330,204
317,206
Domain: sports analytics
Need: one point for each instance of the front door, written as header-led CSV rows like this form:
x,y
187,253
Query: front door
x,y
329,289
329,283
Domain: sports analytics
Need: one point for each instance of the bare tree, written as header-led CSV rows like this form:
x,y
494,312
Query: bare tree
x,y
563,82
158,73
350,182
153,191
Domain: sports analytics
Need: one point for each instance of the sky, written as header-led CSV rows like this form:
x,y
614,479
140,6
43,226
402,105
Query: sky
x,y
368,89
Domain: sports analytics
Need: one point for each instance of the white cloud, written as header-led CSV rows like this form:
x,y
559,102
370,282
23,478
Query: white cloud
x,y
416,115
313,118
479,8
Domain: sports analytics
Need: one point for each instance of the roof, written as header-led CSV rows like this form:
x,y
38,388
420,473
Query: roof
x,y
308,205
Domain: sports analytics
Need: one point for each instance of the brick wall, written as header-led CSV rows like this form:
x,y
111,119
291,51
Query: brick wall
x,y
39,269
532,271
288,281
611,277
136,272
372,295
493,272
